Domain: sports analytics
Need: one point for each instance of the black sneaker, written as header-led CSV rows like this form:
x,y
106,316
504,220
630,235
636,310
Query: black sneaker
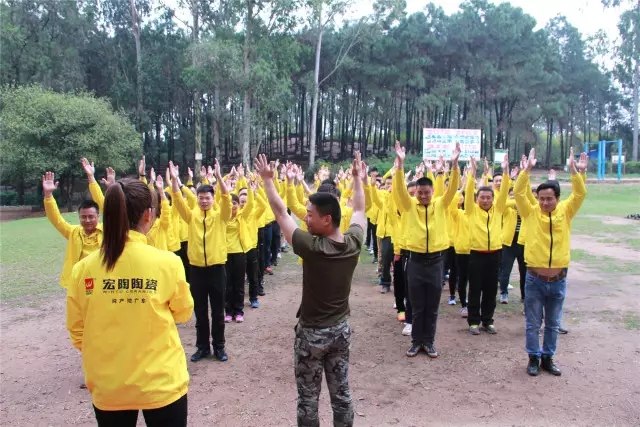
x,y
413,350
430,349
549,366
533,368
200,353
220,354
562,330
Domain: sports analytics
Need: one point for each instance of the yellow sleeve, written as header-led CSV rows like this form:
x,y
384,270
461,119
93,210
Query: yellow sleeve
x,y
438,185
181,205
294,204
452,189
503,194
225,207
165,214
189,182
192,200
522,187
96,194
75,321
241,183
53,214
431,177
181,302
261,206
143,179
375,197
387,175
399,192
300,192
367,197
247,210
469,195
578,194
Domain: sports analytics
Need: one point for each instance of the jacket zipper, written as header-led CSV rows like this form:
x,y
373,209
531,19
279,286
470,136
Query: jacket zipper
x,y
551,235
488,233
204,241
426,224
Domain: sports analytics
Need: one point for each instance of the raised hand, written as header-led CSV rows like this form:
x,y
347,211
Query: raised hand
x,y
290,172
203,171
189,173
142,166
455,156
152,175
552,175
401,152
473,167
173,171
440,164
49,184
159,184
356,166
531,160
240,170
89,168
263,167
111,177
583,162
505,163
514,173
523,162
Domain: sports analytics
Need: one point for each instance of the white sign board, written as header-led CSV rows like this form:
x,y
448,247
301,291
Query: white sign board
x,y
614,159
498,156
441,142
198,156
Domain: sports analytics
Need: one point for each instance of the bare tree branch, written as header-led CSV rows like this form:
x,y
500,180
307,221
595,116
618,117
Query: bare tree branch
x,y
342,54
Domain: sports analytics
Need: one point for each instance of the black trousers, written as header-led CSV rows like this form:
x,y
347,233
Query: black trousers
x,y
425,289
509,255
172,415
408,314
452,267
236,268
208,286
253,274
462,262
483,286
261,254
398,283
387,260
374,230
275,242
182,253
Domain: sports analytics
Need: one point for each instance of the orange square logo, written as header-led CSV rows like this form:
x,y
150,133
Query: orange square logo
x,y
88,284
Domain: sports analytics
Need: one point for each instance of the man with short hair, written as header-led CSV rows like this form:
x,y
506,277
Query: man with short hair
x,y
547,252
323,335
426,244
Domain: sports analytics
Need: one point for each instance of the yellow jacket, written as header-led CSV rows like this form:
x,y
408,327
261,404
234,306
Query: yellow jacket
x,y
548,238
159,234
509,222
252,223
485,227
79,244
207,231
426,226
382,199
124,323
460,226
238,228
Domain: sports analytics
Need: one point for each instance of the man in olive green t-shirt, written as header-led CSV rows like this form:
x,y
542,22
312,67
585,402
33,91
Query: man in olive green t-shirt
x,y
323,335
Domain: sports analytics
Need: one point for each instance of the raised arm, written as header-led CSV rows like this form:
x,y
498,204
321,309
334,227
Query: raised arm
x,y
523,185
358,217
225,202
94,187
266,171
293,203
454,178
469,196
178,201
503,194
399,190
49,185
578,187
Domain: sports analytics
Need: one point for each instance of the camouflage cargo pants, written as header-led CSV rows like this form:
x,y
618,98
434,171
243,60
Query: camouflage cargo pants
x,y
316,350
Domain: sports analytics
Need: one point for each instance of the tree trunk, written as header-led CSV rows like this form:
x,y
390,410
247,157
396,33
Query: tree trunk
x,y
316,92
135,24
636,100
197,147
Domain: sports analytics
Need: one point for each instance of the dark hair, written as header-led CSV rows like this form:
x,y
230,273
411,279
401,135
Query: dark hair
x,y
206,188
329,188
550,185
534,190
373,169
235,198
328,182
88,204
424,182
485,188
412,184
497,172
241,190
124,204
327,204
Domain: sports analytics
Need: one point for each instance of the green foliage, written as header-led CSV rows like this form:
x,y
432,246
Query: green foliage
x,y
10,198
43,130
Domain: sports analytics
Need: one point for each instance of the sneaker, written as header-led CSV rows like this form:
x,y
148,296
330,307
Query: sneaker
x,y
239,318
504,299
533,368
268,271
509,287
200,353
452,300
221,355
464,312
474,330
549,366
255,304
413,350
446,277
406,331
370,251
385,289
374,261
394,306
401,316
489,329
279,255
228,319
83,386
430,350
562,330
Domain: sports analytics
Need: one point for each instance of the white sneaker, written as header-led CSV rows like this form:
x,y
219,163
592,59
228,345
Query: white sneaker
x,y
509,286
279,255
394,306
407,330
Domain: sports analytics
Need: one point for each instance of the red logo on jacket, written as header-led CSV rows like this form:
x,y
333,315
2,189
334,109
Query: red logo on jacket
x,y
88,284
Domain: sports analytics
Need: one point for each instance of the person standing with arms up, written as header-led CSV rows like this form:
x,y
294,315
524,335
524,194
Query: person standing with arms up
x,y
484,215
323,334
207,251
123,303
426,243
547,252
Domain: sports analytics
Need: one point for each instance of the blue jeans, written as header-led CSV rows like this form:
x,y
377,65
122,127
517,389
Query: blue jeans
x,y
539,296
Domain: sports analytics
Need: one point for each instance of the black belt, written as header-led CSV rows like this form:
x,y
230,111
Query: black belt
x,y
548,279
429,257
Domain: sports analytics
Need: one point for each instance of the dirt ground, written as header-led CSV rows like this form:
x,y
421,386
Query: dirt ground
x,y
476,381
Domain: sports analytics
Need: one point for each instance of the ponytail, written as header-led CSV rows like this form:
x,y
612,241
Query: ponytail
x,y
124,204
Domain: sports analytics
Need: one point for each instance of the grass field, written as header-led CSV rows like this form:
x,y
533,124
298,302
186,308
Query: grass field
x,y
32,251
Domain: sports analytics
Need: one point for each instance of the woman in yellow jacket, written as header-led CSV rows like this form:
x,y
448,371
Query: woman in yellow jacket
x,y
460,228
123,303
252,264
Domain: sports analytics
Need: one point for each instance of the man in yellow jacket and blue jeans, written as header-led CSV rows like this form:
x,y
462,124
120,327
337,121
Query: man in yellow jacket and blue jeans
x,y
547,254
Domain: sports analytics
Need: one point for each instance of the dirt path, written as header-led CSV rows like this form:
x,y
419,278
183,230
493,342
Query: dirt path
x,y
476,380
